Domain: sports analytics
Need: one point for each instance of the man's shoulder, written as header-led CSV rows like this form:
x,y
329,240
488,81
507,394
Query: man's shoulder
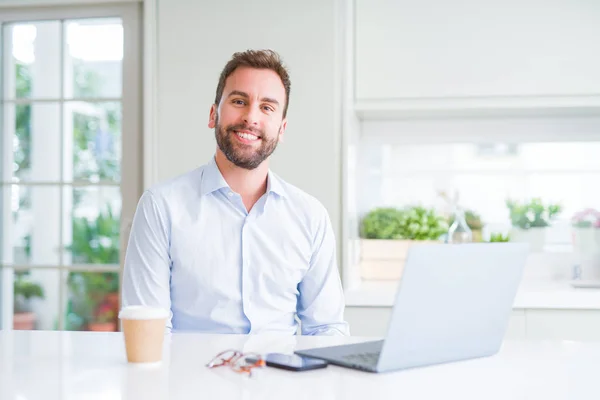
x,y
185,184
301,199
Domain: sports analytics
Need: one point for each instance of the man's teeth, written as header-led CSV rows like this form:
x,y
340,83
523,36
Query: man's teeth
x,y
247,136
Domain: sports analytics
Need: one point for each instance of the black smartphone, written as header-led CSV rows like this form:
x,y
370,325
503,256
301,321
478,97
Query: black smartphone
x,y
293,362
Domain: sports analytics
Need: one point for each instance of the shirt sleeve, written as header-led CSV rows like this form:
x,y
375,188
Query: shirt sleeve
x,y
321,298
147,270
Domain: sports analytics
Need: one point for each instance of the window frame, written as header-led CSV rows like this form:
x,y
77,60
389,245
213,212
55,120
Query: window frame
x,y
530,127
131,183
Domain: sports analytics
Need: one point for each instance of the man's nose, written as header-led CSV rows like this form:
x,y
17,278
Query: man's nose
x,y
252,115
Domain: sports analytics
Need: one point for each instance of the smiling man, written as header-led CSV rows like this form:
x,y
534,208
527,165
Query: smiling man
x,y
230,247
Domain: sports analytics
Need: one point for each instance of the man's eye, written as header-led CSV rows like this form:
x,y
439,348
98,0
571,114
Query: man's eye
x,y
239,102
268,108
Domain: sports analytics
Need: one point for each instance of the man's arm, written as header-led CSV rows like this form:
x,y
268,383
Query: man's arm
x,y
321,299
147,272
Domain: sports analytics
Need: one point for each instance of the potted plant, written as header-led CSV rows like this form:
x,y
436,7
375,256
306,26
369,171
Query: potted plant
x,y
88,291
95,241
104,319
586,230
24,291
388,233
586,241
529,220
498,237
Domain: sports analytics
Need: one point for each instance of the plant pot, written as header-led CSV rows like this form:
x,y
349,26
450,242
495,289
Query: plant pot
x,y
477,236
113,300
586,240
102,326
24,321
536,237
586,244
385,259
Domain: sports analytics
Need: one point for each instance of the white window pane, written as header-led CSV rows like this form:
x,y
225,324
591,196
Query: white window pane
x,y
401,191
33,231
93,137
32,69
92,230
36,141
576,156
579,156
36,299
485,176
94,58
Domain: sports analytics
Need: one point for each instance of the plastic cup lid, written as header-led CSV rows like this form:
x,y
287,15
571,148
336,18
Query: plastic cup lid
x,y
143,312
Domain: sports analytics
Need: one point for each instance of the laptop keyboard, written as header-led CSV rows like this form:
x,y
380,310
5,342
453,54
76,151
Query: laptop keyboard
x,y
362,358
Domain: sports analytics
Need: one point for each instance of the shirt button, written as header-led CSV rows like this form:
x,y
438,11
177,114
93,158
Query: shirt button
x,y
230,194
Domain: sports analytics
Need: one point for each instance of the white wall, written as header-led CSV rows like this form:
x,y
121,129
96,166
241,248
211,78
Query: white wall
x,y
196,39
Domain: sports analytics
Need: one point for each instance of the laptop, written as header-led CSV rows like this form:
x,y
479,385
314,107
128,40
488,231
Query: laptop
x,y
453,303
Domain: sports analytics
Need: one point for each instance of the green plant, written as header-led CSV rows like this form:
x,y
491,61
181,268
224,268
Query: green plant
x,y
24,290
411,223
499,237
94,242
22,143
87,291
533,214
473,220
420,223
382,223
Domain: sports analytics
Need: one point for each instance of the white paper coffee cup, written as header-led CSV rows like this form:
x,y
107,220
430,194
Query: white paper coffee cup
x,y
144,332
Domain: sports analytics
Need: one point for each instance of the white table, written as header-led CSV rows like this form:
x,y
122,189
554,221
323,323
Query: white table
x,y
81,365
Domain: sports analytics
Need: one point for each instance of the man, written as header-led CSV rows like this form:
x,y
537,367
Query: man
x,y
230,247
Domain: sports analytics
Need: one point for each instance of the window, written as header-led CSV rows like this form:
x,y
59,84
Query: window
x,y
70,163
483,164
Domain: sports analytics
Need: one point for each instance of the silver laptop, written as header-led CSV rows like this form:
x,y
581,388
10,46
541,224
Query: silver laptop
x,y
453,303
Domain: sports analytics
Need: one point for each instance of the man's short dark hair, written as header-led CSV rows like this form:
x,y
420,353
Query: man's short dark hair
x,y
259,59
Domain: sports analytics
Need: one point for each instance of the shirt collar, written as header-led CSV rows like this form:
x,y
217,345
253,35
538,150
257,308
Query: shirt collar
x,y
275,185
212,180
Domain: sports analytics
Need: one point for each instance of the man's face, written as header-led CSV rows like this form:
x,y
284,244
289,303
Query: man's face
x,y
249,121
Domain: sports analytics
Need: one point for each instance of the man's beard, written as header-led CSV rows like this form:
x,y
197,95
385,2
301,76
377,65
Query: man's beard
x,y
241,155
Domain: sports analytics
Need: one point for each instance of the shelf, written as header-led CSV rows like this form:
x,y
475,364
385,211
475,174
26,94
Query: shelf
x,y
500,106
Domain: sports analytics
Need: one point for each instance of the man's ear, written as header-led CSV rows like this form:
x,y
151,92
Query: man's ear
x,y
212,116
282,130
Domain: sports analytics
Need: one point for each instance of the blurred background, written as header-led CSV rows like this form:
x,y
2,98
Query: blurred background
x,y
412,122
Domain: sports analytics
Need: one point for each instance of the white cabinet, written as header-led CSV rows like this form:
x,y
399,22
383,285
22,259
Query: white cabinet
x,y
517,326
432,49
579,325
534,324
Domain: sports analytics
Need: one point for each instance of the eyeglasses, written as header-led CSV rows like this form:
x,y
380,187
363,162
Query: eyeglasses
x,y
238,361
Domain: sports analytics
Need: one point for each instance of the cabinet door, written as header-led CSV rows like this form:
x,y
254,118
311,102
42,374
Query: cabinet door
x,y
453,49
581,325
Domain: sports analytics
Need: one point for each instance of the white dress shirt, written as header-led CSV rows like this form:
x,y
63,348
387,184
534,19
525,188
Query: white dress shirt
x,y
195,250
